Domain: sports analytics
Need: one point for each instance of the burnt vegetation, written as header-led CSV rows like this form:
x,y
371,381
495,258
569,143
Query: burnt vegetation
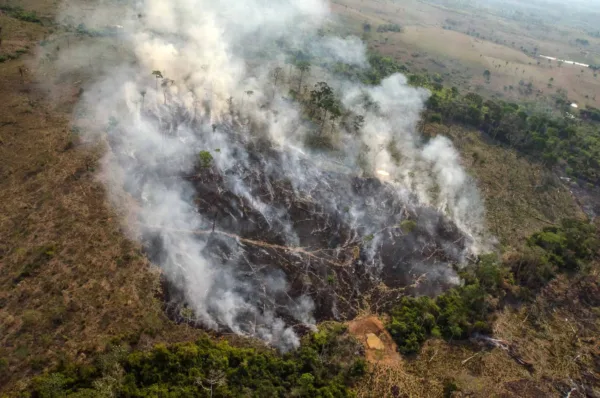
x,y
346,241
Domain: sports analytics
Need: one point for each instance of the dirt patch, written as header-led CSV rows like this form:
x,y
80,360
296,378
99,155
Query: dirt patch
x,y
388,376
379,346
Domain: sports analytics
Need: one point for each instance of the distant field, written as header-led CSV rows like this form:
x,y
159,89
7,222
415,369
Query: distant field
x,y
460,46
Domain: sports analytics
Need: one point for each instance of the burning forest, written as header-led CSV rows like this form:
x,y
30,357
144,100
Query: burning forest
x,y
272,193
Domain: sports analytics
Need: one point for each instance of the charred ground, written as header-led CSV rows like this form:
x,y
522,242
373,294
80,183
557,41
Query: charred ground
x,y
352,244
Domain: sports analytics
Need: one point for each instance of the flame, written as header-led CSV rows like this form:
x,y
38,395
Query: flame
x,y
383,173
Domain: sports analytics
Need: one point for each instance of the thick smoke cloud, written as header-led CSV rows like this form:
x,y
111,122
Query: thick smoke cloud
x,y
217,93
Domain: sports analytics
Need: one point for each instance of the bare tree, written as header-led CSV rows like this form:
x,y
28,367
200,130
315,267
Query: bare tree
x,y
215,378
249,94
22,73
143,94
158,75
303,67
165,85
276,74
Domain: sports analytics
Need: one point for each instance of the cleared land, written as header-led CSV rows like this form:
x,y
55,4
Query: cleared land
x,y
70,280
461,45
520,197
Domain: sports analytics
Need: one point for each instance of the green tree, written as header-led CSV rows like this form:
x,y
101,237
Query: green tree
x,y
487,74
205,159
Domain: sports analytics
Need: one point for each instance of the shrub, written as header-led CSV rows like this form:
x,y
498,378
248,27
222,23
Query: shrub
x,y
31,319
530,268
412,322
567,246
407,226
454,314
205,159
389,28
466,309
38,258
435,118
324,366
318,141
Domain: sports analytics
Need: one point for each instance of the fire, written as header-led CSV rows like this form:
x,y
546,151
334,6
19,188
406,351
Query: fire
x,y
383,173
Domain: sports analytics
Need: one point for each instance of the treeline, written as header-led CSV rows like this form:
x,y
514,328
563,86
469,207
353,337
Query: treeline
x,y
572,144
326,365
555,140
469,308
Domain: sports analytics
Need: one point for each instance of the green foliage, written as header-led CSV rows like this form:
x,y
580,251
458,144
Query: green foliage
x,y
51,386
530,268
380,68
553,140
389,28
568,247
407,226
37,258
19,13
205,159
412,321
31,319
487,74
468,308
454,314
318,141
450,388
324,366
15,55
434,118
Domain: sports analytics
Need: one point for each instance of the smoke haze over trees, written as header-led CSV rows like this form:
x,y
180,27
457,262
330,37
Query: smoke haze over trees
x,y
207,108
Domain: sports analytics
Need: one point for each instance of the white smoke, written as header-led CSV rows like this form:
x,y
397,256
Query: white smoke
x,y
215,55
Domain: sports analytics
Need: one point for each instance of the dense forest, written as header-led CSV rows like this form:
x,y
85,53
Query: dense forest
x,y
327,365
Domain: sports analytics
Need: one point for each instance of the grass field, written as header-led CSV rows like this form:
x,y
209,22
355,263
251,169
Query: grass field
x,y
436,39
70,280
520,197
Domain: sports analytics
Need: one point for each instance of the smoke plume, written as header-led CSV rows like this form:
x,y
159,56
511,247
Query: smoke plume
x,y
206,151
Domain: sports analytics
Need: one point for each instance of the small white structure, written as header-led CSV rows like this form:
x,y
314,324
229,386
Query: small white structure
x,y
574,105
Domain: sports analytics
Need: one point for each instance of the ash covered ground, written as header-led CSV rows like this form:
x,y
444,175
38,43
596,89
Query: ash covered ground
x,y
321,237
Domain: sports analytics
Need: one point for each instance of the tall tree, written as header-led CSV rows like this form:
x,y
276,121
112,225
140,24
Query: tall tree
x,y
158,75
303,67
165,85
143,94
276,74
